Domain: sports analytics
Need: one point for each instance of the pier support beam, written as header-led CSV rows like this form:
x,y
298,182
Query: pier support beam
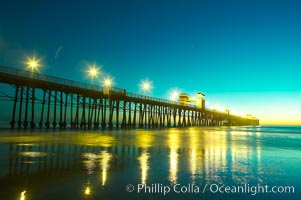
x,y
42,111
54,112
47,123
12,122
25,123
32,124
20,108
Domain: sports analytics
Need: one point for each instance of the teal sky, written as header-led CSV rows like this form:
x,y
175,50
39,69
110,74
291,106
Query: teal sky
x,y
243,54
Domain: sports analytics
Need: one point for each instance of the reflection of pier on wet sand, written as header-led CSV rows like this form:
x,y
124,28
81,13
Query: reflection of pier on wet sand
x,y
211,156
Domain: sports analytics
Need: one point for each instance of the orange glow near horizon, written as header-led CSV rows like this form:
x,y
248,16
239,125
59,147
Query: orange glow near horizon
x,y
282,122
289,115
271,108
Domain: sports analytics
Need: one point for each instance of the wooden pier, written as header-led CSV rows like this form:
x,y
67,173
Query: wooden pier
x,y
42,101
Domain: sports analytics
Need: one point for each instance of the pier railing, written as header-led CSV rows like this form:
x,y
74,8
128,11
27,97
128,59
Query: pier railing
x,y
71,83
60,92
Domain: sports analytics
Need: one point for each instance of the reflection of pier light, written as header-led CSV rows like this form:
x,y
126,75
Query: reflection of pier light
x,y
258,149
90,162
22,197
215,153
173,161
193,160
193,163
173,143
258,135
144,165
194,144
259,168
87,190
240,150
144,139
105,159
245,155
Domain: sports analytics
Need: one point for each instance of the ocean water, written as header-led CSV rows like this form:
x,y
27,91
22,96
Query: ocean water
x,y
176,163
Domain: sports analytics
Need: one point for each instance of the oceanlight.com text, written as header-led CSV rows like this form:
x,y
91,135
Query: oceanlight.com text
x,y
158,188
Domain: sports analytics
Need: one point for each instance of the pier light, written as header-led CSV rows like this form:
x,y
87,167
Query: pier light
x,y
108,82
174,94
33,63
93,71
146,85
